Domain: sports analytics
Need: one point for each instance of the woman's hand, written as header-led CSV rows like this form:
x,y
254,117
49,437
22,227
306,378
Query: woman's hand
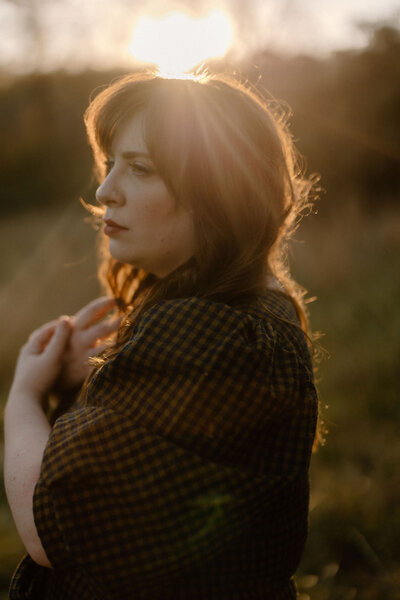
x,y
40,359
89,329
26,428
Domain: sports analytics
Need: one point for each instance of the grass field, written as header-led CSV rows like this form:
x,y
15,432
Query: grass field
x,y
351,263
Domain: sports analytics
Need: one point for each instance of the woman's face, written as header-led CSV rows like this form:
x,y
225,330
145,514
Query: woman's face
x,y
144,225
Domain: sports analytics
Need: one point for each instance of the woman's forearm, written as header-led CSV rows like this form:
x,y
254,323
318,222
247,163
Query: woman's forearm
x,y
26,431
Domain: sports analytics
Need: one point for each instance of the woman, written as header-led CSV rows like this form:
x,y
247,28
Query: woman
x,y
182,469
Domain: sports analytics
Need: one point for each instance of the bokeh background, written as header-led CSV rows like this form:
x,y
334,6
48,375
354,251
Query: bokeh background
x,y
336,66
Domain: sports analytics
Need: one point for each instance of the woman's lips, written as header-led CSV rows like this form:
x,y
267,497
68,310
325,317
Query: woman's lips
x,y
111,228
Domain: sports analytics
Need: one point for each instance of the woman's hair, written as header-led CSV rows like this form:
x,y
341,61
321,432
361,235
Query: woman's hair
x,y
223,154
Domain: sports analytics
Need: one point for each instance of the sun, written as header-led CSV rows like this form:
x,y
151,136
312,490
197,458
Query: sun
x,y
177,42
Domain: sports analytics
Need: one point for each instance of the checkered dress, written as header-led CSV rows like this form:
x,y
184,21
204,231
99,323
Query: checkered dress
x,y
184,473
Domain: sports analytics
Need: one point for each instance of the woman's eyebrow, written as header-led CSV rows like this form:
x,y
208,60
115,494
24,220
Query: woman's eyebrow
x,y
133,154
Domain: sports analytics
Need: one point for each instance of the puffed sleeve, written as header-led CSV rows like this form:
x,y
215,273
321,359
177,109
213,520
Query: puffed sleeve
x,y
179,448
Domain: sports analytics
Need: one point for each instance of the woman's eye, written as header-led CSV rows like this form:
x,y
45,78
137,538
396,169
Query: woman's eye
x,y
140,169
135,167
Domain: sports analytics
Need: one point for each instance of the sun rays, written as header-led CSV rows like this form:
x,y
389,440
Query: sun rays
x,y
178,42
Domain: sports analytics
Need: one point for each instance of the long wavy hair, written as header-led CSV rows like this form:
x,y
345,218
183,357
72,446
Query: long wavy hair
x,y
225,154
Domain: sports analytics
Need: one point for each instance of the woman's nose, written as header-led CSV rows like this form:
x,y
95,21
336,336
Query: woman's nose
x,y
108,193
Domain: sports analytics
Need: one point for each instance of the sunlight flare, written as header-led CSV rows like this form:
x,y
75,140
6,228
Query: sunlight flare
x,y
178,42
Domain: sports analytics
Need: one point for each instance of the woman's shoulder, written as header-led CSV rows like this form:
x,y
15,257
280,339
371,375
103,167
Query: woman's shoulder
x,y
195,339
194,330
273,314
274,305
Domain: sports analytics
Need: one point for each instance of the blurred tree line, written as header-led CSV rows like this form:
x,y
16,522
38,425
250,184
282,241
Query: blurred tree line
x,y
346,121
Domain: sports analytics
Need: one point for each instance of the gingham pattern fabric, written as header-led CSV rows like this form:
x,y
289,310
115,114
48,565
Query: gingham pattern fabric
x,y
184,473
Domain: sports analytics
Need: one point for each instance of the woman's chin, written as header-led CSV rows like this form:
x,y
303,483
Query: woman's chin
x,y
117,253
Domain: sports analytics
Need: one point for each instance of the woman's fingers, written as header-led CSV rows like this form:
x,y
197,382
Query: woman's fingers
x,y
39,362
97,350
40,337
93,311
50,337
58,341
89,314
100,331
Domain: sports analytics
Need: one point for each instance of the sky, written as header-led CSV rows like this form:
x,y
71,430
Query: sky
x,y
74,34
